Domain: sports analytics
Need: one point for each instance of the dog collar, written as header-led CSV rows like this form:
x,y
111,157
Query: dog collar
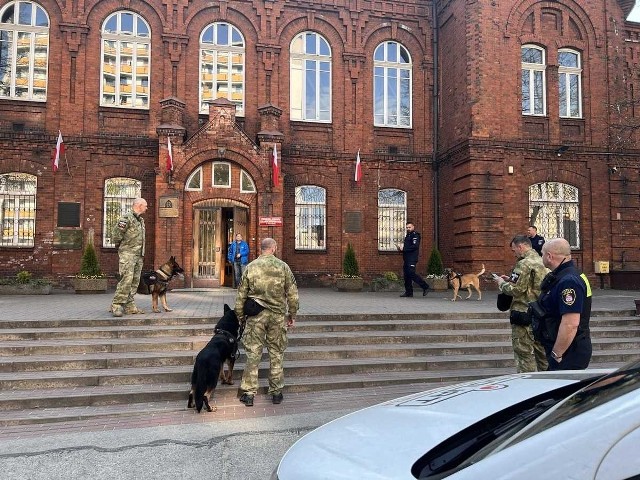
x,y
229,335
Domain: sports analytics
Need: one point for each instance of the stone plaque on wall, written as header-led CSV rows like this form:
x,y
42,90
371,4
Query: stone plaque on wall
x,y
168,207
352,222
67,239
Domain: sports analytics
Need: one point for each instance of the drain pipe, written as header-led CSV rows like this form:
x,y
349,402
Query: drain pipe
x,y
435,130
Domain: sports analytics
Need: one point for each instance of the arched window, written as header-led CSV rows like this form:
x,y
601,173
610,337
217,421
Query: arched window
x,y
392,85
310,84
555,210
311,217
569,83
246,183
392,218
126,61
194,182
222,65
534,88
18,209
119,194
24,51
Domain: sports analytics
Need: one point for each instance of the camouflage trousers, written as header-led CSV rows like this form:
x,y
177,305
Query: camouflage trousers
x,y
130,269
265,329
529,354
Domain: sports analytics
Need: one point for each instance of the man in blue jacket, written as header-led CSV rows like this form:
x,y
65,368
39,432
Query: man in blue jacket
x,y
238,255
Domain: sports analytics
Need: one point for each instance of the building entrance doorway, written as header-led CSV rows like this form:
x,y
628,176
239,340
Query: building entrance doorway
x,y
215,225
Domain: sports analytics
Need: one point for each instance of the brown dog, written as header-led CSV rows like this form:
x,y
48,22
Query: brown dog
x,y
156,283
466,280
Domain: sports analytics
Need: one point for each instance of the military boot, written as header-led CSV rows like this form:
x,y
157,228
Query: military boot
x,y
131,309
117,310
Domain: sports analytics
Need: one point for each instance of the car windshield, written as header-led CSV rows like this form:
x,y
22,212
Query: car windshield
x,y
524,420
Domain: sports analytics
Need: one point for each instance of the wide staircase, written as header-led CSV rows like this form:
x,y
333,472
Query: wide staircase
x,y
66,370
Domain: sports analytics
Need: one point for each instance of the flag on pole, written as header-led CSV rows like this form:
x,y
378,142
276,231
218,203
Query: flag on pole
x,y
358,175
274,165
169,155
58,153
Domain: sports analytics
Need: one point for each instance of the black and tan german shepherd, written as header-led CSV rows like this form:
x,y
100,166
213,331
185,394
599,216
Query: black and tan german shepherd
x,y
209,364
156,283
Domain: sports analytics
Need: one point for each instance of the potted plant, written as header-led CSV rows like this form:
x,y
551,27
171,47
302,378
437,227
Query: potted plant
x,y
24,284
349,280
388,282
436,277
90,279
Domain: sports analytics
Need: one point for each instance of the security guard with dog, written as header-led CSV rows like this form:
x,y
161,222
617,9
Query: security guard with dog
x,y
129,238
269,285
560,316
524,287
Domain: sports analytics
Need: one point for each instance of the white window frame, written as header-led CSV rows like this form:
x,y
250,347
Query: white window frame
x,y
529,70
195,175
310,207
392,74
299,72
210,54
121,192
35,38
244,174
137,40
565,74
18,193
213,175
392,219
554,208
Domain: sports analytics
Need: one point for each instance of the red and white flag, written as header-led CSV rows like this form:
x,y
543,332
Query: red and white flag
x,y
169,155
358,175
58,152
275,166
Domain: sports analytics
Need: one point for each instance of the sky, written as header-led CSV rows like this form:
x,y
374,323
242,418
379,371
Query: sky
x,y
634,16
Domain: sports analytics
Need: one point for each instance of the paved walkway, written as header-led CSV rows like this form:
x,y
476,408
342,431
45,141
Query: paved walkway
x,y
313,301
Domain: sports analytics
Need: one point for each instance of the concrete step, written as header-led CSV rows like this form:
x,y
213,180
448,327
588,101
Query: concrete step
x,y
300,368
139,359
45,406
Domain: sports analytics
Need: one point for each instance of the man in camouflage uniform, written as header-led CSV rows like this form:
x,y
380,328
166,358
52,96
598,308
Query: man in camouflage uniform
x,y
128,235
524,286
270,282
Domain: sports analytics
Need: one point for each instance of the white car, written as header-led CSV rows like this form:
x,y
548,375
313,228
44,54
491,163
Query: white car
x,y
550,425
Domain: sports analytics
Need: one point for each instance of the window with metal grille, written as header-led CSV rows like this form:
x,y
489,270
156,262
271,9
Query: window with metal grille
x,y
119,194
24,51
392,216
18,209
311,219
554,208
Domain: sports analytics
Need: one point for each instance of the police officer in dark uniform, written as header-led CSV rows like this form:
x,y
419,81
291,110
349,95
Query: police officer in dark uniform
x,y
410,251
537,241
560,316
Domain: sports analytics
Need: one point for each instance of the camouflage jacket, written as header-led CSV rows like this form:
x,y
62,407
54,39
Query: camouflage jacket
x,y
271,283
526,278
128,234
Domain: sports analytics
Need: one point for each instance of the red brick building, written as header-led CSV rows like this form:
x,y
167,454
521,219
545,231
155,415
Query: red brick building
x,y
471,119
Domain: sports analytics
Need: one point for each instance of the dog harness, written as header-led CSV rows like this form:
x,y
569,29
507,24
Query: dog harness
x,y
231,339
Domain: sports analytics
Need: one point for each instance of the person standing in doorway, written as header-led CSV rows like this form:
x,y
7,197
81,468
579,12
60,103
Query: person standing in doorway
x,y
129,238
537,241
523,285
238,255
410,251
270,283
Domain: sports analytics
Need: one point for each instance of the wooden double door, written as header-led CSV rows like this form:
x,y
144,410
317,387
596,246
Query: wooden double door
x,y
215,227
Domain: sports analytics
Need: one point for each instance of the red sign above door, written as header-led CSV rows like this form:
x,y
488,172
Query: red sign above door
x,y
270,221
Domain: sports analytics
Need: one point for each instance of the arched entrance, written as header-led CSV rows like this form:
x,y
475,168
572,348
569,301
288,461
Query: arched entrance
x,y
215,224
